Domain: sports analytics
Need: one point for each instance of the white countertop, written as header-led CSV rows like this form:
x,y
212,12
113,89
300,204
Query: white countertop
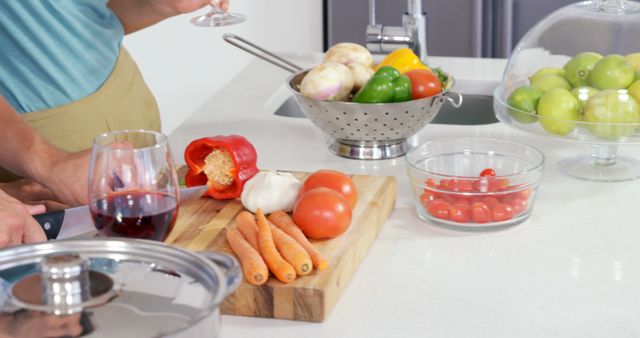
x,y
572,269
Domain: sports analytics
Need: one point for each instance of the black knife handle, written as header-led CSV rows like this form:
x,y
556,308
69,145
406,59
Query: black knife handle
x,y
51,223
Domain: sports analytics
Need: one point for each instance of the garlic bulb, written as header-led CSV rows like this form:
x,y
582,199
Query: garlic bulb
x,y
271,191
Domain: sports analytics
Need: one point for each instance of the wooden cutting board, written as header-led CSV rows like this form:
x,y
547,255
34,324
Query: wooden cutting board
x,y
201,223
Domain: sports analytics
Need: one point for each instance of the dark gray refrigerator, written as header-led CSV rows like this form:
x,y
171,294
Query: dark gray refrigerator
x,y
473,28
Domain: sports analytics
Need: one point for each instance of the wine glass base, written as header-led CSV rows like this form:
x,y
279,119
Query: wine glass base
x,y
585,168
218,19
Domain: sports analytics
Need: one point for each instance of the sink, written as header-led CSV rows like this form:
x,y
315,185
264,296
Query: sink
x,y
475,109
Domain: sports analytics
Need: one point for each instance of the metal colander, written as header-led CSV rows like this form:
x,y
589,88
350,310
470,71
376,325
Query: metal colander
x,y
361,131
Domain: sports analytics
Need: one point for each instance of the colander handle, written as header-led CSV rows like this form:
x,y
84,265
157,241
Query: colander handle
x,y
261,53
455,104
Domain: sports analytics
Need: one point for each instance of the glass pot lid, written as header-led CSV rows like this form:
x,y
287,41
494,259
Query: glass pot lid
x,y
111,288
576,76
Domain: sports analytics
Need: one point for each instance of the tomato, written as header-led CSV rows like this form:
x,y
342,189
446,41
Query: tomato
x,y
424,83
490,201
460,212
334,180
439,209
519,205
497,184
480,212
487,172
322,213
427,197
524,194
502,212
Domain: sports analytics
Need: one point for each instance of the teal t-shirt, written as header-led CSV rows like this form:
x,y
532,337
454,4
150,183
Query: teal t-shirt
x,y
53,52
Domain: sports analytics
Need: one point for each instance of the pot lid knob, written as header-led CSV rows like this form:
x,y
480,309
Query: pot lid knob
x,y
65,281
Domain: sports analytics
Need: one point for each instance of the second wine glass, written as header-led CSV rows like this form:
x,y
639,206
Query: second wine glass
x,y
217,17
133,185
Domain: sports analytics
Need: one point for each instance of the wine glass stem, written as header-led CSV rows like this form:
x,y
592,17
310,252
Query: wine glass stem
x,y
603,155
216,10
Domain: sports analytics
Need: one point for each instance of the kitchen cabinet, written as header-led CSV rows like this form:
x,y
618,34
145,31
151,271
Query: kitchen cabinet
x,y
473,28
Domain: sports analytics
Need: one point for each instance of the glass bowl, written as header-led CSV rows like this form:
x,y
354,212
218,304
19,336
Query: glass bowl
x,y
576,76
454,186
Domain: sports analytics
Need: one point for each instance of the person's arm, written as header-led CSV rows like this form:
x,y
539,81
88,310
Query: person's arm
x,y
24,152
138,14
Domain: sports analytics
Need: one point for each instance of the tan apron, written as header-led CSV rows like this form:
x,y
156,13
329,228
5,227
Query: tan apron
x,y
123,102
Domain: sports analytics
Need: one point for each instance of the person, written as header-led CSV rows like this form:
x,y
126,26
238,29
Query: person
x,y
64,79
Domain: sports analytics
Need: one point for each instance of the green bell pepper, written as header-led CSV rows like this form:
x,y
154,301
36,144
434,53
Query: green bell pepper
x,y
386,85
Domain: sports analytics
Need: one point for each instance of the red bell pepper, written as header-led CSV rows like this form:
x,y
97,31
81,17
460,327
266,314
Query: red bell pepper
x,y
224,163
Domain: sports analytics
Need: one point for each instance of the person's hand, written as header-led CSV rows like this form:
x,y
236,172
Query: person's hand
x,y
33,193
16,224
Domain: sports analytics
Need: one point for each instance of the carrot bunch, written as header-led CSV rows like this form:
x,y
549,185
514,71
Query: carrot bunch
x,y
275,244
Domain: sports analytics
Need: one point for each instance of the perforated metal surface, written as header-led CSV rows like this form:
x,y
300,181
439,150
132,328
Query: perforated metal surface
x,y
371,125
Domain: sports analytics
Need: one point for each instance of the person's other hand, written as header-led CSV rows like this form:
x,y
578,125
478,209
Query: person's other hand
x,y
68,178
32,193
16,224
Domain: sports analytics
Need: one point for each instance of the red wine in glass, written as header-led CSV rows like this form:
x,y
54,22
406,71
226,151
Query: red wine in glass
x,y
135,214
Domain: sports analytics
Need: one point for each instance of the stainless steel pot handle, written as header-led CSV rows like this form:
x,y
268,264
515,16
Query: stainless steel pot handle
x,y
230,266
455,104
262,53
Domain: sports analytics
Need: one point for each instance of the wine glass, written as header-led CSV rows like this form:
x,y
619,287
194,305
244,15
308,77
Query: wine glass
x,y
133,187
217,17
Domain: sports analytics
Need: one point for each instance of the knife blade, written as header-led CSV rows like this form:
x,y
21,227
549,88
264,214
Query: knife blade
x,y
77,222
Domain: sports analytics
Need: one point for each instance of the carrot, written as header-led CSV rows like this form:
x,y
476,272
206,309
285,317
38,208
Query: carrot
x,y
253,266
292,251
246,223
283,221
280,267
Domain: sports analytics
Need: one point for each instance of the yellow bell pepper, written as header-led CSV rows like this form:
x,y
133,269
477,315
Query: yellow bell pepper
x,y
402,59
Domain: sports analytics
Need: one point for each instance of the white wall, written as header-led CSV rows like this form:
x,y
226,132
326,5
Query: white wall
x,y
184,65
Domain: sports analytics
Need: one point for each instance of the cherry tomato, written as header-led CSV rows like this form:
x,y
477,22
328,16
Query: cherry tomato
x,y
481,185
480,212
460,213
519,205
487,172
502,212
424,83
322,213
430,182
490,202
332,179
463,201
439,209
461,185
427,197
524,194
497,184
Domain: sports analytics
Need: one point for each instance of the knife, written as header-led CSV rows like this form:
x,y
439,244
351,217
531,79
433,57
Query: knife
x,y
74,222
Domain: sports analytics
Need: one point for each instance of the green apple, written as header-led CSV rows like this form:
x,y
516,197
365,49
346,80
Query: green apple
x,y
612,72
550,81
634,60
558,110
609,111
583,94
634,91
523,102
576,70
546,71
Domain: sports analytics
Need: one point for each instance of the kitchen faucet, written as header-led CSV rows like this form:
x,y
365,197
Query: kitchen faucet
x,y
412,34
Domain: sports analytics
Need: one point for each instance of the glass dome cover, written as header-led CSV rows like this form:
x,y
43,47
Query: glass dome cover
x,y
576,76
